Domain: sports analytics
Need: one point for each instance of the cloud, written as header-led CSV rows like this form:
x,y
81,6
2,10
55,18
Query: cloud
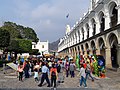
x,y
48,18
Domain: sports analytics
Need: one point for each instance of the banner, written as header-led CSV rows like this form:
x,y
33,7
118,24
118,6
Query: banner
x,y
13,66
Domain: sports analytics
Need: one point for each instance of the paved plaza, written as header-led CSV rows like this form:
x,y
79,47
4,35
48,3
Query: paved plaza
x,y
9,81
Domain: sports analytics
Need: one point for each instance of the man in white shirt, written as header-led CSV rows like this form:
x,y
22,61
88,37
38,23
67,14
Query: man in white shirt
x,y
45,72
83,75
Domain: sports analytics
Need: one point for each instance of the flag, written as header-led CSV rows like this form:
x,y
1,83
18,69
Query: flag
x,y
67,15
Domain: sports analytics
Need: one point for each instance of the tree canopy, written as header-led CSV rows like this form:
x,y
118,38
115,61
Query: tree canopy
x,y
20,32
4,38
20,46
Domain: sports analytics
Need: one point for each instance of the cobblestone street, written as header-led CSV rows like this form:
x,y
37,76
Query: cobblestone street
x,y
111,82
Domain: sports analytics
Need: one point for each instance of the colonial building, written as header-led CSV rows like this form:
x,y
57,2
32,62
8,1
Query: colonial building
x,y
97,32
41,46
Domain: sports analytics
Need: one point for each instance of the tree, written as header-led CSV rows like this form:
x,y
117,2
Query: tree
x,y
4,38
20,32
25,46
20,46
12,29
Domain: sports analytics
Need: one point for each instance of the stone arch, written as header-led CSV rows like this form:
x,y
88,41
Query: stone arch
x,y
87,48
93,23
113,12
113,42
78,49
93,46
82,31
87,29
82,49
101,44
101,21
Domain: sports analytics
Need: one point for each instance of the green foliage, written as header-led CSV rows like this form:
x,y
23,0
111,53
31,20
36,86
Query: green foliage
x,y
14,46
11,28
30,34
20,32
4,38
25,45
20,46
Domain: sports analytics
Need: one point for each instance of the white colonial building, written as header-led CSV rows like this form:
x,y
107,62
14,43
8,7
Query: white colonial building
x,y
41,46
97,32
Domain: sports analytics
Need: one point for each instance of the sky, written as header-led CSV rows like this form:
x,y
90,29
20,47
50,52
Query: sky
x,y
46,17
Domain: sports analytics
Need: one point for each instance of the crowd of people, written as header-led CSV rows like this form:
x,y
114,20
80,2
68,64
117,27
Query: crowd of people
x,y
49,68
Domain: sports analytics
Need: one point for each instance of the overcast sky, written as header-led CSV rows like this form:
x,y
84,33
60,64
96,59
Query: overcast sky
x,y
46,17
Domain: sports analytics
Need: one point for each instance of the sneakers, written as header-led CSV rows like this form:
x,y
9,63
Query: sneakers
x,y
86,87
48,86
39,85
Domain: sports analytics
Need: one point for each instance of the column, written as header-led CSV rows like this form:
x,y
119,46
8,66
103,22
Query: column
x,y
118,54
97,48
108,58
107,21
85,50
98,51
107,18
90,30
118,7
97,24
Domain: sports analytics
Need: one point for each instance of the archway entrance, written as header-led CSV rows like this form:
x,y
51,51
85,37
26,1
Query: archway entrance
x,y
82,49
113,43
102,47
93,47
87,48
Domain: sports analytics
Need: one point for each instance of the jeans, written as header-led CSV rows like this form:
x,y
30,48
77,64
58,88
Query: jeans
x,y
82,80
53,80
67,73
44,76
88,73
72,73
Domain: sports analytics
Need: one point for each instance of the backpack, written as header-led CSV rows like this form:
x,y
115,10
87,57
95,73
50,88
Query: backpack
x,y
53,73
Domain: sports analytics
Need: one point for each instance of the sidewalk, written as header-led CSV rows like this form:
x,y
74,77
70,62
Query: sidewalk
x,y
111,82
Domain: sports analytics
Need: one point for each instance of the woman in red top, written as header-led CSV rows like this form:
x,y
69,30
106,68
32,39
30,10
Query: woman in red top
x,y
20,70
53,75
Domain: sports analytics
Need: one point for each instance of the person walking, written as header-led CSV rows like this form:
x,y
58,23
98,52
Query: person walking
x,y
26,69
36,75
20,70
88,71
53,75
45,72
72,68
82,76
67,68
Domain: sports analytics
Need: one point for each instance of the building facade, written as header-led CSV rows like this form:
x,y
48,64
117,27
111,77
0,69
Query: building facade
x,y
41,46
97,32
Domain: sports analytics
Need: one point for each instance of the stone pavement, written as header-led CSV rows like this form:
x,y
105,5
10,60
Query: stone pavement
x,y
9,81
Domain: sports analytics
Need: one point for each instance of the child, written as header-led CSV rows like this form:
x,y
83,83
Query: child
x,y
36,74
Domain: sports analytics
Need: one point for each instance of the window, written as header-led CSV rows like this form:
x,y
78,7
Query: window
x,y
42,46
34,46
